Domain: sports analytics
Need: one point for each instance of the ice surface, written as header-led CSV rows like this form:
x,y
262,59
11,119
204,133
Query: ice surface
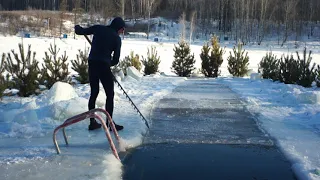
x,y
27,150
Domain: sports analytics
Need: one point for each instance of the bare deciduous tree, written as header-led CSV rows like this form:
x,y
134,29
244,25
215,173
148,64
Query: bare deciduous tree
x,y
289,15
183,27
192,24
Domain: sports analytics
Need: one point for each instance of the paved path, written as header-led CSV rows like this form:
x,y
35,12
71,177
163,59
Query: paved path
x,y
202,130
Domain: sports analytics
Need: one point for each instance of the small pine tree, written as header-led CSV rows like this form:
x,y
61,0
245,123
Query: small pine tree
x,y
206,67
24,71
81,66
183,63
211,62
216,56
151,63
55,68
238,62
2,79
131,60
307,72
289,70
318,76
269,67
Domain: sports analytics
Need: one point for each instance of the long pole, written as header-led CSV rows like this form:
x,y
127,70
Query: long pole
x,y
124,92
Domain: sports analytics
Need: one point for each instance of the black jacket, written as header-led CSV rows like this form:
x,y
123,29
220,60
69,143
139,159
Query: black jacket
x,y
105,41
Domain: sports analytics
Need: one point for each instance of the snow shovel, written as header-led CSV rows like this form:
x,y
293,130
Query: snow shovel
x,y
124,92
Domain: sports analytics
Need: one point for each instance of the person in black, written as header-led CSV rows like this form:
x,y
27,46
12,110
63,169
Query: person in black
x,y
106,40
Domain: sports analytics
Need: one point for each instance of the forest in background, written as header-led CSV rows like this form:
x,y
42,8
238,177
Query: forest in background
x,y
248,20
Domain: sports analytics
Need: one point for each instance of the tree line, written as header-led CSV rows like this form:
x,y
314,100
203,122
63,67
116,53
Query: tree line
x,y
224,10
248,20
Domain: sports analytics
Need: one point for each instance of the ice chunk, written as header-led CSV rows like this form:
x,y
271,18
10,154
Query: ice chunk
x,y
121,75
30,105
113,168
66,109
133,72
250,71
197,75
308,97
255,76
130,79
8,116
118,78
76,106
61,91
26,117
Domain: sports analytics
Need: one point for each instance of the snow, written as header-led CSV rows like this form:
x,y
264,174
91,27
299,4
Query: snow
x,y
61,91
255,76
134,73
288,113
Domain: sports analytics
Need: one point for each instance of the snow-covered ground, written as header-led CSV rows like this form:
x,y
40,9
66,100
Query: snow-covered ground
x,y
289,113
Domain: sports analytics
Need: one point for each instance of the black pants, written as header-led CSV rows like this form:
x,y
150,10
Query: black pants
x,y
100,71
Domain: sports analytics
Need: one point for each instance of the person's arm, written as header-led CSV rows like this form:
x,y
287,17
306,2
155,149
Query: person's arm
x,y
116,52
84,31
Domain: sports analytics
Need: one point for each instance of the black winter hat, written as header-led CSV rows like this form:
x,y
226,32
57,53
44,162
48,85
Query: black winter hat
x,y
117,23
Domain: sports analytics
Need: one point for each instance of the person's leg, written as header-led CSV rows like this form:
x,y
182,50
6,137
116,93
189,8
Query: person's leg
x,y
94,86
107,82
106,79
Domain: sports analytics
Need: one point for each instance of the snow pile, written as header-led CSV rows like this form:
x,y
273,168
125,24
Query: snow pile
x,y
113,168
255,76
61,91
134,73
65,102
29,114
121,75
101,99
195,74
307,97
66,109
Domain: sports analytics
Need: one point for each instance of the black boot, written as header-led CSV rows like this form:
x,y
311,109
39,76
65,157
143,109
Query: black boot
x,y
94,125
118,127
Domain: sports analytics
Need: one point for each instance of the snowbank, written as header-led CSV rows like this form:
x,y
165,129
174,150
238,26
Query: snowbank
x,y
134,73
61,91
308,97
255,76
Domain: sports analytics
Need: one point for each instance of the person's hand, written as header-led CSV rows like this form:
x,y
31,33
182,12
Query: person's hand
x,y
76,27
